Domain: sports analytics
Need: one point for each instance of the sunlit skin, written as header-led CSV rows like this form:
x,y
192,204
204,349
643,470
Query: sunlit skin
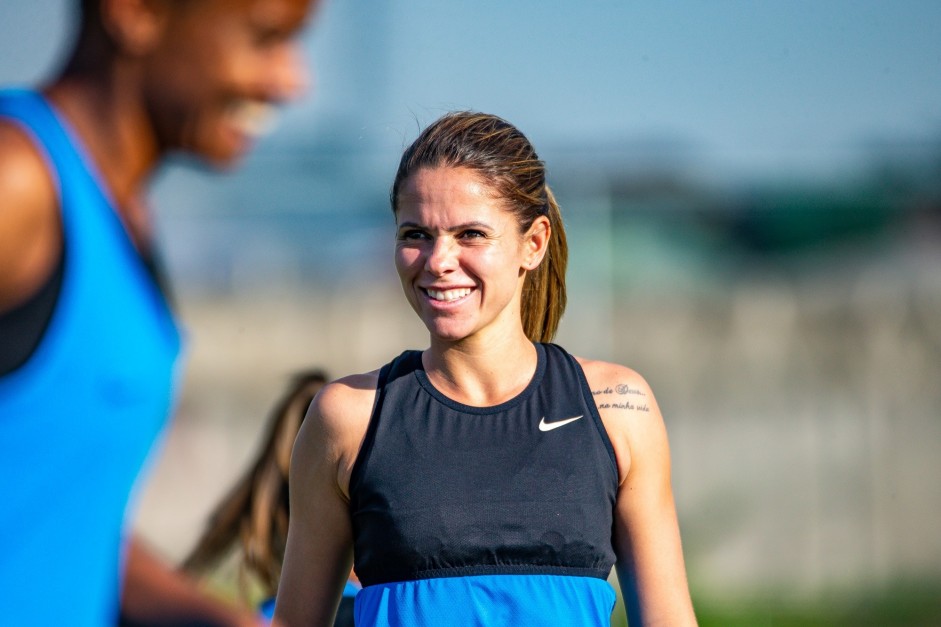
x,y
460,256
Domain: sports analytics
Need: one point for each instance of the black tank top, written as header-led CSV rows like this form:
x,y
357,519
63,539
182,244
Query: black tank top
x,y
442,489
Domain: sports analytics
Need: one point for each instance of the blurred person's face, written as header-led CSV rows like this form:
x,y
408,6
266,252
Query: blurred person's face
x,y
216,69
459,253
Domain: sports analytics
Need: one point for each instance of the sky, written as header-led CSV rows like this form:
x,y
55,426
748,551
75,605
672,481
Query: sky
x,y
755,87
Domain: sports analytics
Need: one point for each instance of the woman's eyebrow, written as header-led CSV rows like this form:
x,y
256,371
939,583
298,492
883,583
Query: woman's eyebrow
x,y
450,229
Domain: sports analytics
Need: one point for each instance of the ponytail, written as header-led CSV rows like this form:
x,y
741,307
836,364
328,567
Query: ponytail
x,y
544,296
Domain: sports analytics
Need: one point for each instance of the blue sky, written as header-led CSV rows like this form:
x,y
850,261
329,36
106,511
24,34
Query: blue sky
x,y
759,86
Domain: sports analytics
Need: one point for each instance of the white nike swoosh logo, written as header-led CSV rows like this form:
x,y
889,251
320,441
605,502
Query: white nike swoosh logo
x,y
549,426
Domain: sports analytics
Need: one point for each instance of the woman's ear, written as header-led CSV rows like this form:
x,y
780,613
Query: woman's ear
x,y
536,243
134,26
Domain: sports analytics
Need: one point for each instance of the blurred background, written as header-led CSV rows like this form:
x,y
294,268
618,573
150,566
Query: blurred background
x,y
752,192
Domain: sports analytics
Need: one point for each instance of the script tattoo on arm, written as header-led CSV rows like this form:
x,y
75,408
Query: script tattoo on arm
x,y
621,396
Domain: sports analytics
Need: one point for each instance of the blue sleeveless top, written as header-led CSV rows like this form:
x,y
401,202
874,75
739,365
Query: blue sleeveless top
x,y
484,516
79,418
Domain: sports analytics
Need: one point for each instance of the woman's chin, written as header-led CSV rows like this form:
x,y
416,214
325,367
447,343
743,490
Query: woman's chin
x,y
447,333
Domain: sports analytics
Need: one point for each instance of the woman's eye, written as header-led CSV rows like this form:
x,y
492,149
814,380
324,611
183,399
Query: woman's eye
x,y
412,235
472,234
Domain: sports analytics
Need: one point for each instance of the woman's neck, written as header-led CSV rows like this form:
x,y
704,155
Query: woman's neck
x,y
120,146
481,373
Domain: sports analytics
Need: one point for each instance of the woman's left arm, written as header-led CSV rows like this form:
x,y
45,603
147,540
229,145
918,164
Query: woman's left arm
x,y
650,565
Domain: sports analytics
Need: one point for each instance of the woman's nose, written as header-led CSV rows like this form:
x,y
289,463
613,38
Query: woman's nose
x,y
289,76
442,257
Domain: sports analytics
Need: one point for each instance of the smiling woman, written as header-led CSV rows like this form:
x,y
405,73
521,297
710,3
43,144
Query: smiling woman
x,y
493,478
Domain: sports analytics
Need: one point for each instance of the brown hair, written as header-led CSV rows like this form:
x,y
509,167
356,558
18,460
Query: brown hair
x,y
505,159
253,517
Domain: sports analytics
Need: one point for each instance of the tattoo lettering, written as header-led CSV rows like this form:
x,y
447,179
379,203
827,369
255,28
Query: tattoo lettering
x,y
625,405
622,389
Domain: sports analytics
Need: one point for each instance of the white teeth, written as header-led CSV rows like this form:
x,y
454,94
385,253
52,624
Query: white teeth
x,y
253,118
449,295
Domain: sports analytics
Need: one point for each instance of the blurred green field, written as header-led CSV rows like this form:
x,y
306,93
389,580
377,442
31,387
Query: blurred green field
x,y
904,604
914,604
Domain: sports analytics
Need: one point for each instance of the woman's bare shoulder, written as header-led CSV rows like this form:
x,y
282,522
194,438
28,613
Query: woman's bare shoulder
x,y
345,402
334,429
606,377
355,388
30,232
628,409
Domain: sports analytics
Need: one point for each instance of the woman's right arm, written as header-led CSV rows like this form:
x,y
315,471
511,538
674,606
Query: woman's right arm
x,y
30,230
319,548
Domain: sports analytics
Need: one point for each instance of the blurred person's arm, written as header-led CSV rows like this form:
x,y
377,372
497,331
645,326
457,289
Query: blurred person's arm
x,y
155,594
650,566
319,549
30,228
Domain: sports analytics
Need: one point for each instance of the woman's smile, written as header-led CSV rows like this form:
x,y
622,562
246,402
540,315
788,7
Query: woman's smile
x,y
447,295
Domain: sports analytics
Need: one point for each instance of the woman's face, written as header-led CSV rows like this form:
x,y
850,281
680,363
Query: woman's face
x,y
459,254
216,69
